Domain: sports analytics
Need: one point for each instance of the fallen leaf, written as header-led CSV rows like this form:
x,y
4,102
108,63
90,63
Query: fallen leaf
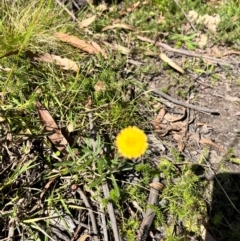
x,y
133,7
98,48
177,137
50,125
177,126
158,119
70,127
145,39
118,25
65,63
85,23
122,49
180,138
46,187
76,42
181,146
205,141
84,237
102,7
173,118
171,63
5,69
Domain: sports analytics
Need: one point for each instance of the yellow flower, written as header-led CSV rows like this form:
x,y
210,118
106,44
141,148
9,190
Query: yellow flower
x,y
131,142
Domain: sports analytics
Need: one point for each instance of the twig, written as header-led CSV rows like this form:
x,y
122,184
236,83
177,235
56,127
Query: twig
x,y
65,8
178,102
186,16
92,217
11,228
104,224
187,105
187,120
111,213
94,145
150,214
188,52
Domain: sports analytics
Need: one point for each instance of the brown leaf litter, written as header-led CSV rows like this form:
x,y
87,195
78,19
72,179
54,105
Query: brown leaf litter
x,y
65,63
85,23
50,125
177,127
80,44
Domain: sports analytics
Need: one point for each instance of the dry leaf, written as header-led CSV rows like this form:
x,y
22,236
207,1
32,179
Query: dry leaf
x,y
122,49
156,185
46,187
181,146
70,127
133,7
171,63
145,39
76,42
5,69
173,118
177,126
205,141
98,48
85,23
102,7
179,137
84,237
65,63
118,25
158,119
160,115
50,125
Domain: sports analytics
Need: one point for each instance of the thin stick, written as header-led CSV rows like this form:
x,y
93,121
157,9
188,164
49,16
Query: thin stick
x,y
188,52
111,213
178,102
186,16
65,8
187,105
150,213
104,224
92,217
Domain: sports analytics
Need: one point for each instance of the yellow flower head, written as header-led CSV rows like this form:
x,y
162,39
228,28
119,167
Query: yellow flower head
x,y
131,142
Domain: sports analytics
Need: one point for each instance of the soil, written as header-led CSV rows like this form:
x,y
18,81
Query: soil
x,y
222,95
